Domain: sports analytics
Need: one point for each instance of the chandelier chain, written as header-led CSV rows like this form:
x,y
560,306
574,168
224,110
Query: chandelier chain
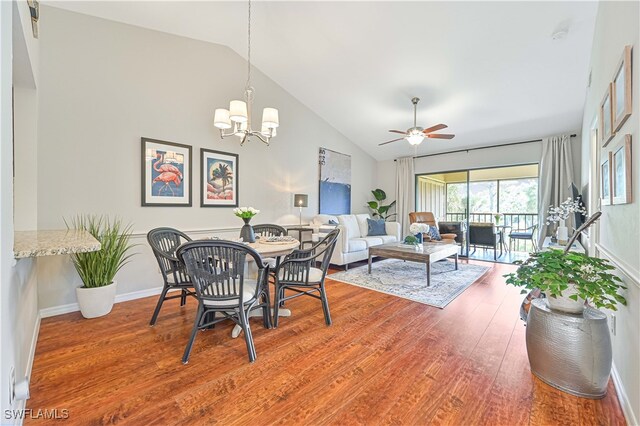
x,y
249,49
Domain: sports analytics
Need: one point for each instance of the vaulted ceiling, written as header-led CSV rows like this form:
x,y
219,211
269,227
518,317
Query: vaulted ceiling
x,y
490,70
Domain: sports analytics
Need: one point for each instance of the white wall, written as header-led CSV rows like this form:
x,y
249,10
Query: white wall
x,y
18,284
490,157
617,26
104,85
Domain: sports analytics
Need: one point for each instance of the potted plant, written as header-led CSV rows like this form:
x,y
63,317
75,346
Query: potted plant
x,y
377,209
246,213
568,279
558,216
98,269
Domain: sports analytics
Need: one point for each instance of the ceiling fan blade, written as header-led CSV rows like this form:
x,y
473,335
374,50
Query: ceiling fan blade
x,y
398,131
441,136
434,128
395,140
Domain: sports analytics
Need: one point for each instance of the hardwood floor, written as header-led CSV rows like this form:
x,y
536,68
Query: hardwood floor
x,y
385,360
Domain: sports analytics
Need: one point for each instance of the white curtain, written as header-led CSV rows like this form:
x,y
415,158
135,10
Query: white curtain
x,y
405,192
556,176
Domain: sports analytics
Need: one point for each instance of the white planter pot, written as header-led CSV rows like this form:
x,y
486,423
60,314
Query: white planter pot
x,y
96,301
565,304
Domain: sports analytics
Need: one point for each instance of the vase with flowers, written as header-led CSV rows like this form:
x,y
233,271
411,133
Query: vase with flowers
x,y
418,229
558,215
246,213
497,217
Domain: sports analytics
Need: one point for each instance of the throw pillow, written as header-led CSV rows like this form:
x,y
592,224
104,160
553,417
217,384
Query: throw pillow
x,y
376,227
434,233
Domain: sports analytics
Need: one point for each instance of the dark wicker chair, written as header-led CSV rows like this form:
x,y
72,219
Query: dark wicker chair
x,y
298,273
164,243
269,230
218,272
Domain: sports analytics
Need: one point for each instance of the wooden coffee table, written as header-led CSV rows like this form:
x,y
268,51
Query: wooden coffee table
x,y
427,254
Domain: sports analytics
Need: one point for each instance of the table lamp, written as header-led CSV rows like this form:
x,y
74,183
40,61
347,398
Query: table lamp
x,y
301,200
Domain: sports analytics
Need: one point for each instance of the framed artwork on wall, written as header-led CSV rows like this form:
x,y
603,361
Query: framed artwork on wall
x,y
334,182
621,102
606,118
605,180
218,178
621,172
166,174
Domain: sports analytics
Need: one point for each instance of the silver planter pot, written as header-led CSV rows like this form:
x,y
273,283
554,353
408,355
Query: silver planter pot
x,y
571,352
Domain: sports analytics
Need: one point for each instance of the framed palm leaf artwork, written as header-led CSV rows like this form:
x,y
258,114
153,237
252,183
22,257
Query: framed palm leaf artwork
x,y
218,178
166,174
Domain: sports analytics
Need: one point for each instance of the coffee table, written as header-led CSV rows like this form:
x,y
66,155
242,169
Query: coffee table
x,y
427,254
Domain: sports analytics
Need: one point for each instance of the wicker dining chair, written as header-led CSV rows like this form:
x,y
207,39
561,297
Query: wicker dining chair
x,y
298,273
218,272
270,230
164,243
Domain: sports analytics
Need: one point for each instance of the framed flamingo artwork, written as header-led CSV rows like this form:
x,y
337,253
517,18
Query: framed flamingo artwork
x,y
218,178
166,174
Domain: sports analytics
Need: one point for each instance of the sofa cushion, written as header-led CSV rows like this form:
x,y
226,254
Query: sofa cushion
x,y
362,224
369,241
375,227
386,239
351,224
434,233
357,244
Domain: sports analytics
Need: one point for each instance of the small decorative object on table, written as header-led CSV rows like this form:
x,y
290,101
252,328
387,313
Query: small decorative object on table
x,y
246,213
561,213
418,229
411,240
497,217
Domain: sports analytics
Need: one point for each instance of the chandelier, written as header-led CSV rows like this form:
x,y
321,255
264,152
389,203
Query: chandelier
x,y
236,121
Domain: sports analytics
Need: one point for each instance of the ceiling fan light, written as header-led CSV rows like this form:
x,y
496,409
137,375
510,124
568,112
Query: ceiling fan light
x,y
221,119
415,139
238,111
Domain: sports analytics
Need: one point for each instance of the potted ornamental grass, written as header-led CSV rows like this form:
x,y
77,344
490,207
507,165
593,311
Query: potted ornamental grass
x,y
98,269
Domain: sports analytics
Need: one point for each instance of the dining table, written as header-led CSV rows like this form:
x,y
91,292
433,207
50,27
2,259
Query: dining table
x,y
266,249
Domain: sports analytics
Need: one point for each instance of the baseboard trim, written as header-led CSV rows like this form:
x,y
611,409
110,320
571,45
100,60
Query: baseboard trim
x,y
31,357
627,410
74,307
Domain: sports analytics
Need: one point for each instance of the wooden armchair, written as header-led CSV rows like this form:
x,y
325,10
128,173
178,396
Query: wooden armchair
x,y
429,219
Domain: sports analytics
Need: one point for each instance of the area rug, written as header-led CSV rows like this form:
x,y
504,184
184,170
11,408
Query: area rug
x,y
408,279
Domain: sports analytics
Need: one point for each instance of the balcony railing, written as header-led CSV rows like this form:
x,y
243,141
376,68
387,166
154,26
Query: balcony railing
x,y
517,221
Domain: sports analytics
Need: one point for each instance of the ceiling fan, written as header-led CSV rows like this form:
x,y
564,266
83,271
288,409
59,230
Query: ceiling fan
x,y
415,135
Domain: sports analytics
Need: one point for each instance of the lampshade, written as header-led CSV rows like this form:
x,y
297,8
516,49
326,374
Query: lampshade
x,y
270,118
238,111
415,139
221,119
301,200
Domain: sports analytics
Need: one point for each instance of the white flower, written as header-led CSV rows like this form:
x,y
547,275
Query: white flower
x,y
417,228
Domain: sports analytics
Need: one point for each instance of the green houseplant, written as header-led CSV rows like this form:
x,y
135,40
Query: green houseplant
x,y
575,276
377,208
98,269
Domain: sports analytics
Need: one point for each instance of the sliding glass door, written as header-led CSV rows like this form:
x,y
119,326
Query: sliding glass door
x,y
446,195
501,200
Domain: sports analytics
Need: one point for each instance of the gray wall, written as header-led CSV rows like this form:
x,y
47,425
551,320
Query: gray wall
x,y
106,84
616,26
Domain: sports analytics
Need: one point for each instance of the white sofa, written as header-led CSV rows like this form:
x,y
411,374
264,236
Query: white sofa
x,y
353,242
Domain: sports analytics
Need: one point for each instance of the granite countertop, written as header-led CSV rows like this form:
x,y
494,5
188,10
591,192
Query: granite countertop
x,y
52,242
